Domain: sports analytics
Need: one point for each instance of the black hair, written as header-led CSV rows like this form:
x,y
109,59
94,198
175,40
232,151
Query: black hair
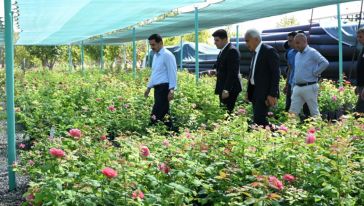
x,y
221,33
292,34
156,37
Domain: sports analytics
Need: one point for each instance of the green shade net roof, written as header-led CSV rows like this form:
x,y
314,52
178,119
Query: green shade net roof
x,y
215,15
54,22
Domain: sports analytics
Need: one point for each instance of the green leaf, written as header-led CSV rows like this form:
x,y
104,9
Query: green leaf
x,y
179,188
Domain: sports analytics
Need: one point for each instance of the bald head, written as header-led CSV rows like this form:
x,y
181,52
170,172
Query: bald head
x,y
300,41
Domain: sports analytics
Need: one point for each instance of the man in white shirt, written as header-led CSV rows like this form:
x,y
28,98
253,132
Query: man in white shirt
x,y
264,74
163,79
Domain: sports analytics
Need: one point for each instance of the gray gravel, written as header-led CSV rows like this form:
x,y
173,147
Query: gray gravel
x,y
15,197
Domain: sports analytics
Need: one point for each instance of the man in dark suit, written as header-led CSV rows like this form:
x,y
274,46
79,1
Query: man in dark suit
x,y
360,73
264,74
228,84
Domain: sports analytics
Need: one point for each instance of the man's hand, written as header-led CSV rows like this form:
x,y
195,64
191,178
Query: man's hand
x,y
170,95
146,93
224,94
271,101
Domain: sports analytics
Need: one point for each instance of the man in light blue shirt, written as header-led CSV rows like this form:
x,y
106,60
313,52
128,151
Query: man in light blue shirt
x,y
163,79
291,55
309,64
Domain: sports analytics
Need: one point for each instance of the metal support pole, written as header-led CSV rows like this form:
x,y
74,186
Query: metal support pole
x,y
70,57
197,69
134,54
237,37
340,44
9,49
148,57
181,54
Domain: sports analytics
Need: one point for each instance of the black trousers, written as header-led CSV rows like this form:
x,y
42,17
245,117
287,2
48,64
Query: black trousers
x,y
306,110
229,102
161,105
260,112
360,104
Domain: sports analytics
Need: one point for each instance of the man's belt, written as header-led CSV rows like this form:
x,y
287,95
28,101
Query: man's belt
x,y
306,84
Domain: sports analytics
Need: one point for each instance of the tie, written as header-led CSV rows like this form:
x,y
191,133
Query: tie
x,y
218,56
251,66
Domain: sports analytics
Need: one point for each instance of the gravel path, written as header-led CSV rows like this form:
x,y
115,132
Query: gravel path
x,y
15,197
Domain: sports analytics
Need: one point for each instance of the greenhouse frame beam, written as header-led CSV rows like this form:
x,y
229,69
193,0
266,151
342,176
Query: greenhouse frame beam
x,y
9,61
340,44
197,64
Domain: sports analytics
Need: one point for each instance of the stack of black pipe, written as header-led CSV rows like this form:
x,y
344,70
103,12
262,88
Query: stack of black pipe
x,y
317,38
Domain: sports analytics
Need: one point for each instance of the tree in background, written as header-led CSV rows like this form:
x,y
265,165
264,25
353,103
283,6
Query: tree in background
x,y
120,56
287,22
112,56
23,59
203,36
92,54
48,55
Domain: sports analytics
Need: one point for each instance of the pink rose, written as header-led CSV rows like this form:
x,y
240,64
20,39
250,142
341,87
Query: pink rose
x,y
144,151
270,113
109,172
30,197
31,162
103,137
334,98
21,146
283,128
188,135
241,111
311,131
289,177
138,194
164,168
76,133
56,152
111,108
166,143
275,183
310,139
341,89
